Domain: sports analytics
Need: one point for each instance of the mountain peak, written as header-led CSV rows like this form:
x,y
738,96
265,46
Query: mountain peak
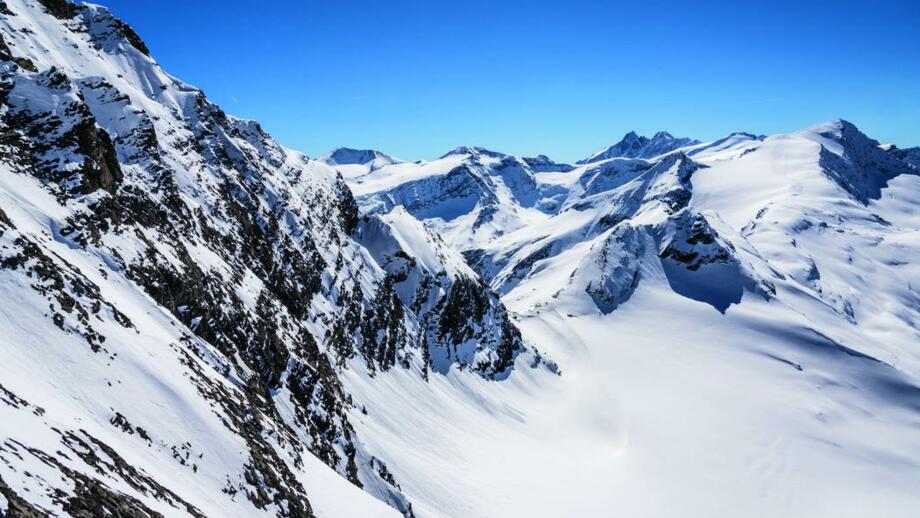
x,y
632,135
833,129
473,151
854,160
351,156
633,145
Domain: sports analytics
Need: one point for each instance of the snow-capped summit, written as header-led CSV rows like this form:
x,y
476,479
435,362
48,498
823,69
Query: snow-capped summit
x,y
473,151
856,162
349,156
634,146
352,163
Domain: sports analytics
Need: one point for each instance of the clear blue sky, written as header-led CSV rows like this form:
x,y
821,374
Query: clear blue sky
x,y
564,78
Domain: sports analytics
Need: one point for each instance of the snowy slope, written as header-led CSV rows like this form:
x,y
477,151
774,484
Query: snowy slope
x,y
188,294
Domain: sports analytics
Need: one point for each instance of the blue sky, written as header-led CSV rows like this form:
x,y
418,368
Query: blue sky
x,y
415,79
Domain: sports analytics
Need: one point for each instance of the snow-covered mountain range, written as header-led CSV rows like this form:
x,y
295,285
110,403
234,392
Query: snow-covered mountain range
x,y
752,299
199,321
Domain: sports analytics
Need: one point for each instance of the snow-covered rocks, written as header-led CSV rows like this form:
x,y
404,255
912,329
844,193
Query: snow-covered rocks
x,y
855,161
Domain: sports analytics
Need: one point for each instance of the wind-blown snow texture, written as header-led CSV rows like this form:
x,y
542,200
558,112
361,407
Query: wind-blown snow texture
x,y
199,321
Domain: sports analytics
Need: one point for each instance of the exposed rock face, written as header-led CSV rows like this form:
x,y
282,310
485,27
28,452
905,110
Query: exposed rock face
x,y
694,243
861,167
62,9
618,268
461,321
51,128
101,169
542,163
910,156
459,325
